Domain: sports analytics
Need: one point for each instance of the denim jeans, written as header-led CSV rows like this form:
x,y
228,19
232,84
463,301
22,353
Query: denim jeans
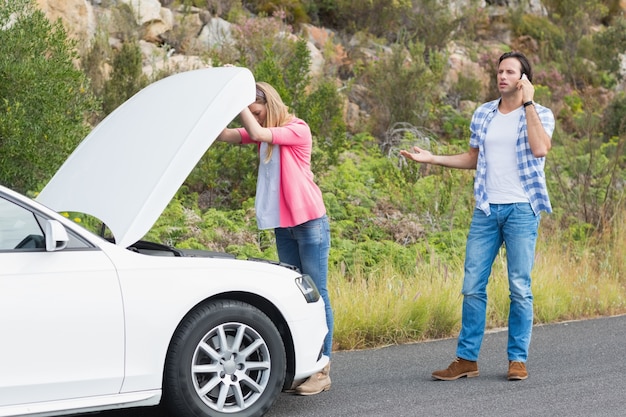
x,y
307,246
516,226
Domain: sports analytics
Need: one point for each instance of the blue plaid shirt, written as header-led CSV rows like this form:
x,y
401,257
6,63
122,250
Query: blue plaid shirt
x,y
530,168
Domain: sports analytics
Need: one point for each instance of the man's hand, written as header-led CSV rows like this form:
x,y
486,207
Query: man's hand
x,y
527,89
418,155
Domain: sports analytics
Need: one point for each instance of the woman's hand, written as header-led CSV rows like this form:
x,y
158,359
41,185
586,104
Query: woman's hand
x,y
257,132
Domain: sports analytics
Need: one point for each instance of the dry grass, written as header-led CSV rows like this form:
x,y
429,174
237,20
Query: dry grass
x,y
385,308
570,281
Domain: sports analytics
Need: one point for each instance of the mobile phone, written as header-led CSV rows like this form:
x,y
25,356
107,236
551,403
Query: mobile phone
x,y
523,77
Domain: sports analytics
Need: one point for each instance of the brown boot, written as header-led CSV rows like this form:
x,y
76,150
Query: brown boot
x,y
457,369
316,383
517,371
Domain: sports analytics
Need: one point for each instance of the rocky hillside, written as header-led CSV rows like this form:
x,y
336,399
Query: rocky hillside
x,y
176,38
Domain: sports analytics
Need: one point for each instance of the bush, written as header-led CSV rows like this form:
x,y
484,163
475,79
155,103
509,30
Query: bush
x,y
575,18
403,87
378,17
606,42
323,111
127,77
614,117
293,11
116,72
45,98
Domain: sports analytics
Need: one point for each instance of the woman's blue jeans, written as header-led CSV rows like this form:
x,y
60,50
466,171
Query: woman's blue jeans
x,y
307,246
516,226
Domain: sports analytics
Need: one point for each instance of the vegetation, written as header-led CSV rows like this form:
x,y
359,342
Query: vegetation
x,y
398,229
44,99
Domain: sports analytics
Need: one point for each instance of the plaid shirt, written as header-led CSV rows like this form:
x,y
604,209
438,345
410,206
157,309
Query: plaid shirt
x,y
530,168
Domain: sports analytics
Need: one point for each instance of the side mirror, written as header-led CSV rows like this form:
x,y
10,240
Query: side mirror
x,y
56,236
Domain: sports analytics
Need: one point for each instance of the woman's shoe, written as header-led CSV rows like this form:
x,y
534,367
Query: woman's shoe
x,y
316,383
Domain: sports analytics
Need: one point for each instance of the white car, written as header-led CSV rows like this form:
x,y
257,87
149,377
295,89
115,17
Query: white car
x,y
91,325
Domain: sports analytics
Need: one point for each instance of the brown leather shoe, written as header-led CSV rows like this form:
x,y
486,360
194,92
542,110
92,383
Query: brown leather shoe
x,y
457,369
316,383
517,371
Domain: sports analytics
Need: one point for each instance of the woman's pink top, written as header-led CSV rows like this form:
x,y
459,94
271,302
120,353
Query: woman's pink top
x,y
300,198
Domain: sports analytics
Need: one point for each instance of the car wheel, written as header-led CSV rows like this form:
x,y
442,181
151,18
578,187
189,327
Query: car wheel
x,y
226,358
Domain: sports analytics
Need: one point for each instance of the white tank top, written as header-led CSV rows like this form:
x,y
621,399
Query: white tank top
x,y
266,202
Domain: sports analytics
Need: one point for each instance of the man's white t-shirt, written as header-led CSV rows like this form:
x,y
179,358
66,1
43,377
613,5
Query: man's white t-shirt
x,y
503,182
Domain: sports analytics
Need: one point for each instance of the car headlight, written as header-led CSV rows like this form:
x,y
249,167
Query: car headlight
x,y
308,288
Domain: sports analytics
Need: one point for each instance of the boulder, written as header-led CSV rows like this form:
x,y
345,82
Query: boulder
x,y
77,16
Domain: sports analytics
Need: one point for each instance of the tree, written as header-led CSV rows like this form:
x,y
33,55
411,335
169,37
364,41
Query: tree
x,y
44,99
126,79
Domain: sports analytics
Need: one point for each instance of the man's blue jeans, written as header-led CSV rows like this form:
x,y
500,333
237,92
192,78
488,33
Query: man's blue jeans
x,y
516,226
307,246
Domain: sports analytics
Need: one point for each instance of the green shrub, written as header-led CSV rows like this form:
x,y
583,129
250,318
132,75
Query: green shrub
x,y
256,38
585,178
288,72
225,177
292,11
453,126
606,42
575,19
126,79
403,87
378,17
323,111
433,24
466,88
45,99
614,117
550,37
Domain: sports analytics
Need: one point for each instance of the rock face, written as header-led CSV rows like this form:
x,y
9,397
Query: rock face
x,y
173,39
77,16
160,20
80,17
146,11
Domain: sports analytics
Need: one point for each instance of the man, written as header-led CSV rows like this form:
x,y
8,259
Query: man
x,y
509,140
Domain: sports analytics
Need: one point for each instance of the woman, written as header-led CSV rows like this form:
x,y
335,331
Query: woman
x,y
287,199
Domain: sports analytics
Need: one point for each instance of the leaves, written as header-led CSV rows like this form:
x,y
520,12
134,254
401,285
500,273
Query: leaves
x,y
45,97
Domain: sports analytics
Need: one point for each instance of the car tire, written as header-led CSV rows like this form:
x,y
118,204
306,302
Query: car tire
x,y
226,358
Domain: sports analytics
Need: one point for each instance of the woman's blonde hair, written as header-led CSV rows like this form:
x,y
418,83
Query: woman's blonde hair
x,y
277,111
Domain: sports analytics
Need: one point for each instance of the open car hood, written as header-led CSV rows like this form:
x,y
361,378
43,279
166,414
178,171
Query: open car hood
x,y
129,167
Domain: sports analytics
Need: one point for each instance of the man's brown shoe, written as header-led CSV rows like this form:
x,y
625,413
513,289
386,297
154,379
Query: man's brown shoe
x,y
457,369
517,371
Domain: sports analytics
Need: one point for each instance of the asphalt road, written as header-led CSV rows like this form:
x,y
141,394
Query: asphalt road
x,y
576,369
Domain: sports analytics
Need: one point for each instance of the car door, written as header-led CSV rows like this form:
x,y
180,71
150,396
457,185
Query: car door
x,y
61,315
